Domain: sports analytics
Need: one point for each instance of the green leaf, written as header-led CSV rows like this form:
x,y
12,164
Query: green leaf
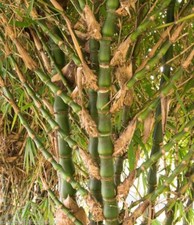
x,y
155,222
131,156
30,7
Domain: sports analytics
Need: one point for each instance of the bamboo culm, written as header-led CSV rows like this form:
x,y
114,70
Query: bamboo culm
x,y
94,184
105,145
62,118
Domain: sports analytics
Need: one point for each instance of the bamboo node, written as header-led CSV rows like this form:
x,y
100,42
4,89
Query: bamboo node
x,y
163,151
59,92
56,128
50,159
105,156
32,136
107,178
104,65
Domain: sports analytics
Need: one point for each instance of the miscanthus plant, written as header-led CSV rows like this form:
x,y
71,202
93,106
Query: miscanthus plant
x,y
96,112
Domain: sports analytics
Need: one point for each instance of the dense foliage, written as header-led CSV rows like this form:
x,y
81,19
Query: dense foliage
x,y
96,112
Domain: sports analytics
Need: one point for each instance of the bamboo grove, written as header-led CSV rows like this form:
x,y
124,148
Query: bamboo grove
x,y
96,112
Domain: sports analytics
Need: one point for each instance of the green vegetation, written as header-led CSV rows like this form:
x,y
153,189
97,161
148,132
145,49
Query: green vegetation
x,y
96,112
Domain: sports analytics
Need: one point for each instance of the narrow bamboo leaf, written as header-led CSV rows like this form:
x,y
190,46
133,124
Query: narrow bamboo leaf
x,y
181,102
14,121
131,156
30,7
155,222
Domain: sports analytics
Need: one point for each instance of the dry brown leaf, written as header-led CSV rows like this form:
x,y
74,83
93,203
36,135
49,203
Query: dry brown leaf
x,y
74,39
93,169
125,138
95,208
123,97
128,100
188,60
79,213
148,125
124,187
28,61
124,73
119,57
128,4
75,96
69,72
88,124
70,203
81,35
176,33
137,213
118,102
56,5
90,80
165,103
92,24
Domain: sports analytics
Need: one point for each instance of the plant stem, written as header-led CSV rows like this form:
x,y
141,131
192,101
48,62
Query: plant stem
x,y
61,116
158,131
94,184
105,145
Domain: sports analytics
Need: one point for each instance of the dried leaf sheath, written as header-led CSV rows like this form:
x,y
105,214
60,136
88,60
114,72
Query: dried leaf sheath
x,y
90,164
78,212
92,24
125,138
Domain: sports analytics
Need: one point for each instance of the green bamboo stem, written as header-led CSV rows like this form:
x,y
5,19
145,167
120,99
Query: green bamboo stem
x,y
61,117
57,68
158,132
94,184
105,145
118,168
57,91
64,151
151,63
65,210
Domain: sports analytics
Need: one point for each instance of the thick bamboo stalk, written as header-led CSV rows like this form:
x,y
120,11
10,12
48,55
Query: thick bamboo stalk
x,y
94,184
61,117
64,151
105,145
